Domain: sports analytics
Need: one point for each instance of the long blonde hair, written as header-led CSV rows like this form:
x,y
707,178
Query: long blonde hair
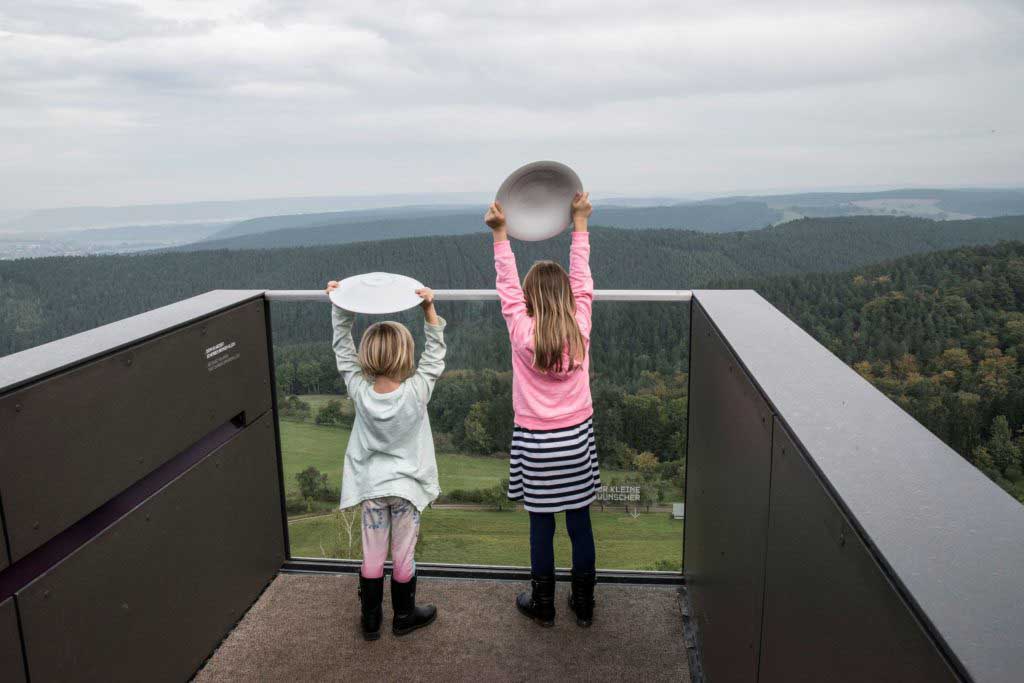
x,y
387,350
550,302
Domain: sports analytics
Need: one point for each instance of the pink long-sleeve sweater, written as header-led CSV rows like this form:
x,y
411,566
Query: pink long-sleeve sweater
x,y
546,400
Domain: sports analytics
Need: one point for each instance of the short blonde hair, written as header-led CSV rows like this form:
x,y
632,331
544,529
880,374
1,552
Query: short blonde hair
x,y
387,350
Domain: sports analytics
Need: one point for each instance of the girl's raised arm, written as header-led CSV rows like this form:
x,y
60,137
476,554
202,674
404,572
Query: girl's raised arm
x,y
431,364
580,279
510,291
345,347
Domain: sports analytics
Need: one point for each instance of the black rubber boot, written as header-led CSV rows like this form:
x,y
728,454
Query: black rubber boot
x,y
371,594
409,617
539,604
581,598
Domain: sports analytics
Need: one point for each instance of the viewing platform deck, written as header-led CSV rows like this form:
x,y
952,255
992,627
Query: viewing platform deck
x,y
306,628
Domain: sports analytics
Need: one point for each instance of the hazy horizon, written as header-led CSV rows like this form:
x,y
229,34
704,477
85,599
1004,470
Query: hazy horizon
x,y
138,102
469,198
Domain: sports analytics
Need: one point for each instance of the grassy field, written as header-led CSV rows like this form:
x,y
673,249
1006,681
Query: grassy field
x,y
305,444
317,401
649,541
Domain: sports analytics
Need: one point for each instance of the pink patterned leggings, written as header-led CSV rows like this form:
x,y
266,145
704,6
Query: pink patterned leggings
x,y
403,519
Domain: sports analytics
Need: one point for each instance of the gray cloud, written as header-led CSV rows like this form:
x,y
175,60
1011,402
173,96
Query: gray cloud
x,y
165,100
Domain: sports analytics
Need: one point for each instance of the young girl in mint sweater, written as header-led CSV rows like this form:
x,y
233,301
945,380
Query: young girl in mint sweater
x,y
390,468
553,465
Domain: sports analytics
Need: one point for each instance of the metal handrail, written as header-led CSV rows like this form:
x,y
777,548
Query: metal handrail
x,y
492,295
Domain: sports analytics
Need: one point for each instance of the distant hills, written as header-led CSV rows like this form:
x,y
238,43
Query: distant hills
x,y
359,226
37,305
925,203
271,223
716,215
83,217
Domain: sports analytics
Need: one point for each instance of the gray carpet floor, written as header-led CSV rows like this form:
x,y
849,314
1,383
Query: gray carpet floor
x,y
306,628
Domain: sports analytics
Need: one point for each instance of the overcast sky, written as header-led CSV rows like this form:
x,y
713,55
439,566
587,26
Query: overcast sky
x,y
179,100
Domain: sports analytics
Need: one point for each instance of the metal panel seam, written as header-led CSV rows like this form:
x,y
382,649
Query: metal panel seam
x,y
21,639
767,548
3,527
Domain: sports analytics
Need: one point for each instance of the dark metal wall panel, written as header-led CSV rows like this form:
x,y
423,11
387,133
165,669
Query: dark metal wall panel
x,y
78,438
40,361
728,470
12,664
830,613
152,596
950,539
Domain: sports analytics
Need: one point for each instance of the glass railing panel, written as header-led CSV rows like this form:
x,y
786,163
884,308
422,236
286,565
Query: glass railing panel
x,y
639,382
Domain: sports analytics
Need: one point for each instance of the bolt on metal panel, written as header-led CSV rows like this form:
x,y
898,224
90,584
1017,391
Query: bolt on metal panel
x,y
152,596
728,469
12,663
76,439
830,611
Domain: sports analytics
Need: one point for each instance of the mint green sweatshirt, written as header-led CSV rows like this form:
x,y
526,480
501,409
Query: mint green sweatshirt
x,y
391,449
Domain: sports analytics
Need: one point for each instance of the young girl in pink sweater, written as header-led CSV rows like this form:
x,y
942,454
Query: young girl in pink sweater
x,y
553,466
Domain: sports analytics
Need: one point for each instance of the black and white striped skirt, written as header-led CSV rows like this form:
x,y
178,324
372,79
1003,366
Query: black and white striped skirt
x,y
552,470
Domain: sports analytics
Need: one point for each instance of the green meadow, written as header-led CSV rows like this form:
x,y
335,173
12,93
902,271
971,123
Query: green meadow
x,y
304,444
466,536
648,541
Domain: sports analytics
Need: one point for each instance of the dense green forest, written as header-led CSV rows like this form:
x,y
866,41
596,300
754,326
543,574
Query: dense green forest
x,y
47,298
942,334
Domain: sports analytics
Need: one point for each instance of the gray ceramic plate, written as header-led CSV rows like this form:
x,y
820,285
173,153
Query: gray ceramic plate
x,y
537,199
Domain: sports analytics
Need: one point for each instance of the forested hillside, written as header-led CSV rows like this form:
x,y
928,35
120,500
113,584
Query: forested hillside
x,y
348,227
43,299
942,334
263,224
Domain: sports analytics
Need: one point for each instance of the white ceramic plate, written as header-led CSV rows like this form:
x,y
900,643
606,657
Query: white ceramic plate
x,y
376,293
537,199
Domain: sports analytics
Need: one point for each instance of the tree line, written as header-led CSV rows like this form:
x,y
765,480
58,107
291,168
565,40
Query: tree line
x,y
48,298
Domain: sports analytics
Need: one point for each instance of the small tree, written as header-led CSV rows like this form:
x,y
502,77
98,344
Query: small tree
x,y
312,483
497,495
295,408
477,439
649,494
330,413
1000,444
646,463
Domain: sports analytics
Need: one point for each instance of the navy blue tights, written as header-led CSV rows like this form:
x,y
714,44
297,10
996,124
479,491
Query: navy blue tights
x,y
542,541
